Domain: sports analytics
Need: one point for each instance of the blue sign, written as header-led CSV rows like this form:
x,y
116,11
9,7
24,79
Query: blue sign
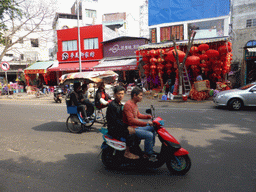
x,y
168,11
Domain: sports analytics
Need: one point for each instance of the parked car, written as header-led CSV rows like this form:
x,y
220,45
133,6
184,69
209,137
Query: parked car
x,y
235,99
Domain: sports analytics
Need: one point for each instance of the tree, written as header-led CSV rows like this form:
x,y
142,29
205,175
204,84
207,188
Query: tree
x,y
176,55
22,19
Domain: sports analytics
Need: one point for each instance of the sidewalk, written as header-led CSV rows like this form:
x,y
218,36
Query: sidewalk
x,y
146,98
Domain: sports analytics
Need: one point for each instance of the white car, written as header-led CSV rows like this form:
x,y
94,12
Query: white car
x,y
235,99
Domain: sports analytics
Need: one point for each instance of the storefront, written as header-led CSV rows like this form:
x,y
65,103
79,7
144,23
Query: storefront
x,y
210,58
38,73
250,62
68,54
119,56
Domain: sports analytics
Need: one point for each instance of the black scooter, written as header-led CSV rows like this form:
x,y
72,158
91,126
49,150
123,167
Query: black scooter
x,y
57,95
175,157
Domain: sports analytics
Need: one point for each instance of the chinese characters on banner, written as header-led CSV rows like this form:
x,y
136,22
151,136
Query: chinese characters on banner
x,y
73,55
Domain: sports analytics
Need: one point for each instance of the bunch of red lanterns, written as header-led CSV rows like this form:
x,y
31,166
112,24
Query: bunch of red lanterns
x,y
159,61
213,59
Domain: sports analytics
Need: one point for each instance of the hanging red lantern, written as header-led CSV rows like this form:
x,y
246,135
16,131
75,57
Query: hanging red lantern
x,y
168,66
145,59
170,55
193,50
153,72
153,60
160,60
137,53
160,67
146,67
153,67
193,60
137,58
224,49
169,71
146,72
160,52
203,57
203,48
152,53
211,53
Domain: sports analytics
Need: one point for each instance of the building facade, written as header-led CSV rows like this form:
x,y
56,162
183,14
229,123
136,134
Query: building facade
x,y
209,19
244,38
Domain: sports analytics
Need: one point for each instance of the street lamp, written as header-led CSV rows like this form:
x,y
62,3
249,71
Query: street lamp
x,y
78,29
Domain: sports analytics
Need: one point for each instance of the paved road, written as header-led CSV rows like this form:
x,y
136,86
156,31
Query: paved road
x,y
37,153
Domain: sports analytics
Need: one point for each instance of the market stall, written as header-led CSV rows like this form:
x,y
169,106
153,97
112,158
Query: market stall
x,y
210,58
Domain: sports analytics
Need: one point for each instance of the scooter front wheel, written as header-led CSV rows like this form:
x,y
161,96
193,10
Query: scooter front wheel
x,y
179,165
73,124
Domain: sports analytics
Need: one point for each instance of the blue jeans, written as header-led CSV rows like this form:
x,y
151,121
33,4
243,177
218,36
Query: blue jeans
x,y
148,133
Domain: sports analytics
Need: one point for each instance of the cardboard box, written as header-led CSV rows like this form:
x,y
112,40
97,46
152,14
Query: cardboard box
x,y
202,85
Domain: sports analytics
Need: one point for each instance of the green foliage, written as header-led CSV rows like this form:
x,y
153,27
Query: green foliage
x,y
9,9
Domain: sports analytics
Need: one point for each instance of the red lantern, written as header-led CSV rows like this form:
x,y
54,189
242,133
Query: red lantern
x,y
193,60
146,72
159,51
160,67
152,53
153,60
137,58
145,59
146,67
203,57
203,48
153,72
137,53
193,50
224,49
160,60
171,57
153,67
169,71
212,53
168,66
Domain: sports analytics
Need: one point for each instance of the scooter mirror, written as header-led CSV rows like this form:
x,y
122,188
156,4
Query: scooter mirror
x,y
148,111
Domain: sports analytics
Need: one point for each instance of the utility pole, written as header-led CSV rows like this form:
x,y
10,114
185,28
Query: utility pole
x,y
78,29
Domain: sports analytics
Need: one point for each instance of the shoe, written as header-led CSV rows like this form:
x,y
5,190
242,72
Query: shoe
x,y
131,156
86,120
152,157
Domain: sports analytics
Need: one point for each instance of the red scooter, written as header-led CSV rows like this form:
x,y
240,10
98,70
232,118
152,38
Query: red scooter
x,y
175,157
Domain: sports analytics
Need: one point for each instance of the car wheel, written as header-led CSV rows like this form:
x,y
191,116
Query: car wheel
x,y
235,104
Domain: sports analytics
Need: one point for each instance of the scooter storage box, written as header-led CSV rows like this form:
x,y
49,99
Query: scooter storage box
x,y
72,109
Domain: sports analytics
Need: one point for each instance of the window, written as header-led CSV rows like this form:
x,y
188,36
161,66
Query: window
x,y
207,29
250,22
21,56
167,32
69,45
34,42
90,13
153,35
8,55
91,43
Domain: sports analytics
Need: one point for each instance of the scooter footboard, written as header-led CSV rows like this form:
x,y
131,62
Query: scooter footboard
x,y
181,152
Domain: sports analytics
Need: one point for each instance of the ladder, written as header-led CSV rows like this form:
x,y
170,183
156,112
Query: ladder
x,y
186,81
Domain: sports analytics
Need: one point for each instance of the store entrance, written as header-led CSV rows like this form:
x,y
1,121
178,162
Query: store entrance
x,y
251,71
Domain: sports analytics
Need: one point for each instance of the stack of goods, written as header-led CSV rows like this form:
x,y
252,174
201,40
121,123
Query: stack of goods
x,y
200,90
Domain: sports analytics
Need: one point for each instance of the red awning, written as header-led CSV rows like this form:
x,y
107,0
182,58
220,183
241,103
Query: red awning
x,y
86,66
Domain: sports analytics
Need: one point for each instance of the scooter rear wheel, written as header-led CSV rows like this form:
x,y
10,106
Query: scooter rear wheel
x,y
110,159
179,165
73,124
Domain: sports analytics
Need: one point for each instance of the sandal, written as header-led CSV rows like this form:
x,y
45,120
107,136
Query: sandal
x,y
131,156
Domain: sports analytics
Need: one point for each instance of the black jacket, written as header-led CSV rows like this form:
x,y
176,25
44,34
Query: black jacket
x,y
98,97
116,127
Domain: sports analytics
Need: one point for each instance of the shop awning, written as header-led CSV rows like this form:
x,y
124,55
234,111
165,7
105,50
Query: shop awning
x,y
39,67
117,65
86,66
185,42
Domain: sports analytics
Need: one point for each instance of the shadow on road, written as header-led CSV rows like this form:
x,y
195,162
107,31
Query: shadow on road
x,y
60,127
